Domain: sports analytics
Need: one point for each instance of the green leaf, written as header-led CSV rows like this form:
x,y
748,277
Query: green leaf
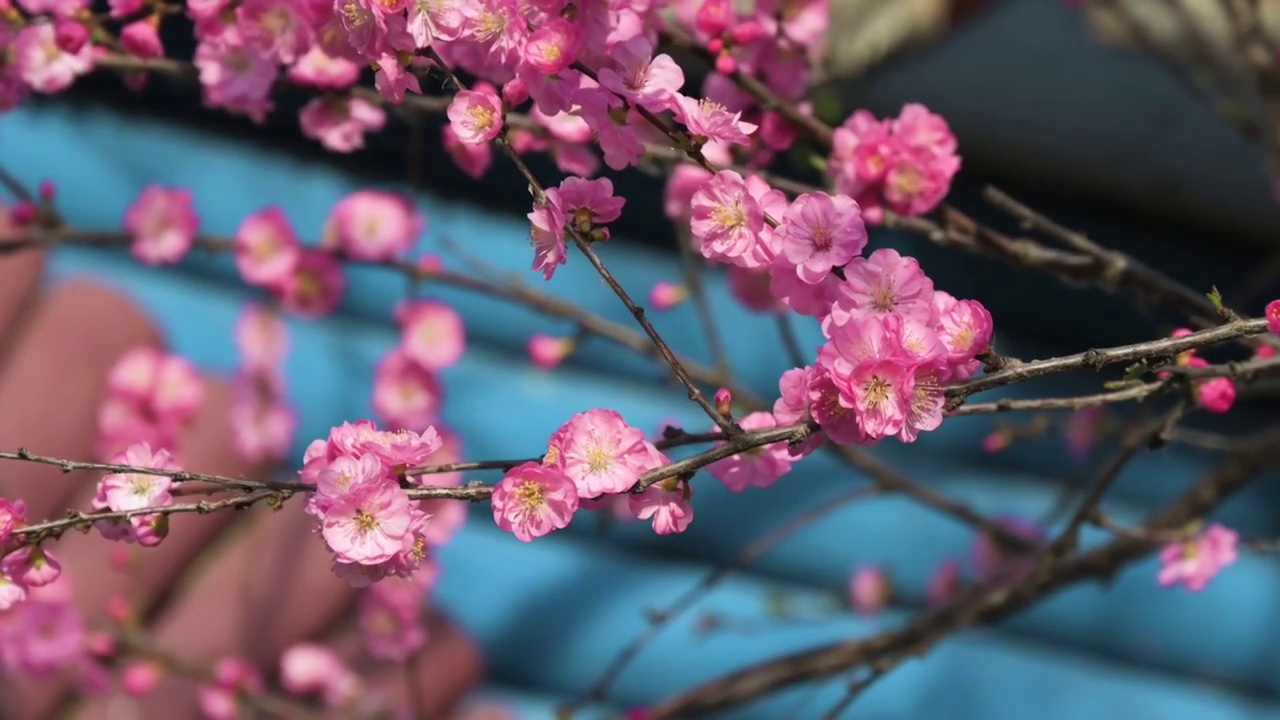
x,y
1215,297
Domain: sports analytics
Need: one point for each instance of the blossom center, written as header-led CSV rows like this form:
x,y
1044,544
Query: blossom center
x,y
481,116
598,459
882,298
821,237
877,391
531,496
729,217
365,522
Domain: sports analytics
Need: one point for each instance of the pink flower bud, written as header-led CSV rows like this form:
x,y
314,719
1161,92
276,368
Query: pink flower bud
x,y
142,38
714,18
70,36
715,45
666,295
724,401
1273,316
119,609
515,92
945,582
745,33
1216,395
547,352
48,190
100,644
23,213
869,590
725,64
430,263
995,442
1265,351
553,47
140,678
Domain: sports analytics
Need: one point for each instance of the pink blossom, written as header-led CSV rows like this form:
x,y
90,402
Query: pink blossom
x,y
405,394
345,475
388,616
587,203
139,678
1216,395
40,637
178,391
944,583
884,282
319,69
133,376
547,351
401,449
392,79
546,234
553,46
134,491
918,181
44,66
235,75
1196,561
261,337
712,121
820,231
640,77
262,423
682,183
124,8
283,29
31,567
833,414
233,676
532,500
11,593
432,333
367,525
142,38
753,289
316,286
966,330
727,220
1272,313
13,515
793,406
869,590
307,668
758,467
665,295
375,226
474,160
70,35
925,399
476,117
266,248
340,124
991,557
666,503
599,452
162,222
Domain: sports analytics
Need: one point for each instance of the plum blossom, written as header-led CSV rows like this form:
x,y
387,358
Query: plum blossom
x,y
373,225
532,500
869,589
42,64
432,333
162,222
820,231
727,221
367,524
666,504
641,77
1196,561
340,124
475,116
599,452
758,467
266,248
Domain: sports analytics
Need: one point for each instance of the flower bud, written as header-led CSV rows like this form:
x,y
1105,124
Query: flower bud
x,y
869,590
547,352
724,402
140,678
70,36
666,295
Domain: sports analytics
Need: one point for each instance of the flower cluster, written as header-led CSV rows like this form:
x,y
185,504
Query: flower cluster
x,y
406,386
362,512
44,635
1216,394
593,456
150,397
904,165
263,422
22,569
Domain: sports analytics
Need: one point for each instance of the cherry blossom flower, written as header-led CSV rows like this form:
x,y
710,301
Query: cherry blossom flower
x,y
587,203
40,637
367,524
820,231
553,46
162,222
642,78
547,351
713,121
42,64
13,515
234,75
1216,395
139,679
388,617
340,124
666,503
727,221
134,491
757,467
142,38
311,668
432,333
546,235
884,282
532,500
279,28
869,590
316,286
599,452
261,337
405,394
1196,561
1272,313
373,225
474,160
475,116
266,248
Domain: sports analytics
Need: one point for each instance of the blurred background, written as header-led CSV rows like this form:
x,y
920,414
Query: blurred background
x,y
1098,116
